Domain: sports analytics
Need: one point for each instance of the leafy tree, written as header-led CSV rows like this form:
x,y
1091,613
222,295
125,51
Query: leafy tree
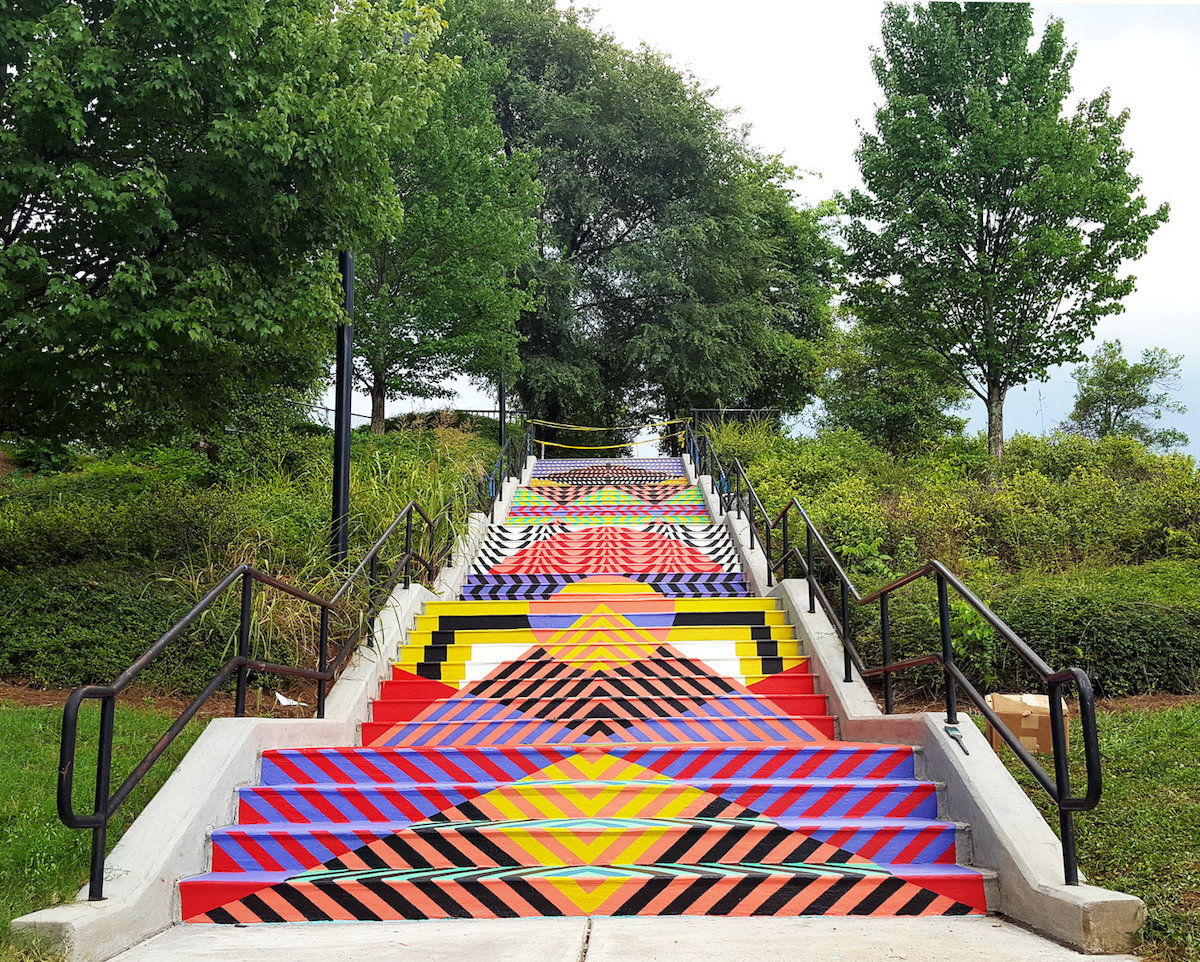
x,y
174,175
994,225
674,268
442,296
1113,396
887,396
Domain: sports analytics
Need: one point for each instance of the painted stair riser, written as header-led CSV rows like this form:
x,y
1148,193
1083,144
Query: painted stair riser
x,y
545,466
674,514
601,627
491,588
572,478
533,731
584,604
702,659
558,621
480,672
743,670
305,804
405,686
519,844
366,766
533,893
401,709
632,496
699,643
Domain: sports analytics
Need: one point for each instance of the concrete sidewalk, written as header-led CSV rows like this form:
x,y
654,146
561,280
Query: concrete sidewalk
x,y
612,940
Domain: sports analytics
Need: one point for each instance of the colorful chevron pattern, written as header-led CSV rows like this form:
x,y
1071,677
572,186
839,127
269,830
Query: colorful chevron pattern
x,y
606,724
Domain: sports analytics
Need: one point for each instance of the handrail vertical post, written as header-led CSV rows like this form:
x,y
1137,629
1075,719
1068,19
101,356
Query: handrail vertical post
x,y
408,550
750,515
372,583
787,547
808,560
1062,785
885,630
947,650
244,644
767,552
322,662
103,779
849,665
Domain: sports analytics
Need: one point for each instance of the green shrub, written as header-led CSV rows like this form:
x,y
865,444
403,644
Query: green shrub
x,y
40,455
1133,630
85,624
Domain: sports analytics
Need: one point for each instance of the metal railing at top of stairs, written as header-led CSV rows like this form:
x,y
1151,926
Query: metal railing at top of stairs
x,y
476,494
736,494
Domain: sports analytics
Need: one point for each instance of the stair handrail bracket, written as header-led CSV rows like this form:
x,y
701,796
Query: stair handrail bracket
x,y
732,488
479,493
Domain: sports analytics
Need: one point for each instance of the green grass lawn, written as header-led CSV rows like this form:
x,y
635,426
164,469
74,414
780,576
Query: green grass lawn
x,y
1144,838
42,862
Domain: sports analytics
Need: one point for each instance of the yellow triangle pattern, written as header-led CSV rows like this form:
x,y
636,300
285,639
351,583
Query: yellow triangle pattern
x,y
600,640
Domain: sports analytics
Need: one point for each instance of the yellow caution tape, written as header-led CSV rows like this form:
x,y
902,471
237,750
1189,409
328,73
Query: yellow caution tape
x,y
580,427
603,447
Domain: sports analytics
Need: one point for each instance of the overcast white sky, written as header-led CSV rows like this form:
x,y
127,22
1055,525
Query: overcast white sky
x,y
799,73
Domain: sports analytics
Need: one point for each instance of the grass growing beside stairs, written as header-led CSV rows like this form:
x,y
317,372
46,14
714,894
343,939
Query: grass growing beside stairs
x,y
1144,838
42,862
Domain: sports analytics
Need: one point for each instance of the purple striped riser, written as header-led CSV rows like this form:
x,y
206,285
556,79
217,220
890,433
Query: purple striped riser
x,y
775,798
366,766
520,587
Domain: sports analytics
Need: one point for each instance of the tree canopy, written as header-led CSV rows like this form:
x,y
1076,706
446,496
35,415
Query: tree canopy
x,y
674,269
994,225
174,177
1114,396
442,296
897,399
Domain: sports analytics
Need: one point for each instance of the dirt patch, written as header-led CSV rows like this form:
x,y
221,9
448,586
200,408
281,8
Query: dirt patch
x,y
7,464
259,703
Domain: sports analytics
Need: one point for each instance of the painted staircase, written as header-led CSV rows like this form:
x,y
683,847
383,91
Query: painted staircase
x,y
608,723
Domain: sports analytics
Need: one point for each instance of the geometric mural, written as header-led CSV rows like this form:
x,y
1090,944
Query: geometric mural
x,y
618,728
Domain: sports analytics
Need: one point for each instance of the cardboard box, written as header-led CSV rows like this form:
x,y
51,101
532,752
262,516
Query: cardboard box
x,y
1028,717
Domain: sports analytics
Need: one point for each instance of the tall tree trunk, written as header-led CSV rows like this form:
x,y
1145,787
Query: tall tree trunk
x,y
378,396
995,421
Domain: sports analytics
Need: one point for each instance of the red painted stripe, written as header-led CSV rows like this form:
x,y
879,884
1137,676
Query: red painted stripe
x,y
297,774
280,804
865,805
262,858
913,798
295,848
924,839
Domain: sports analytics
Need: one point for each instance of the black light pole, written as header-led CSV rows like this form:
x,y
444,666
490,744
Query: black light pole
x,y
340,538
503,413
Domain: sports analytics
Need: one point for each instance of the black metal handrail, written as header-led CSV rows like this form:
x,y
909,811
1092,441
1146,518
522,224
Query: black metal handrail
x,y
480,493
735,493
